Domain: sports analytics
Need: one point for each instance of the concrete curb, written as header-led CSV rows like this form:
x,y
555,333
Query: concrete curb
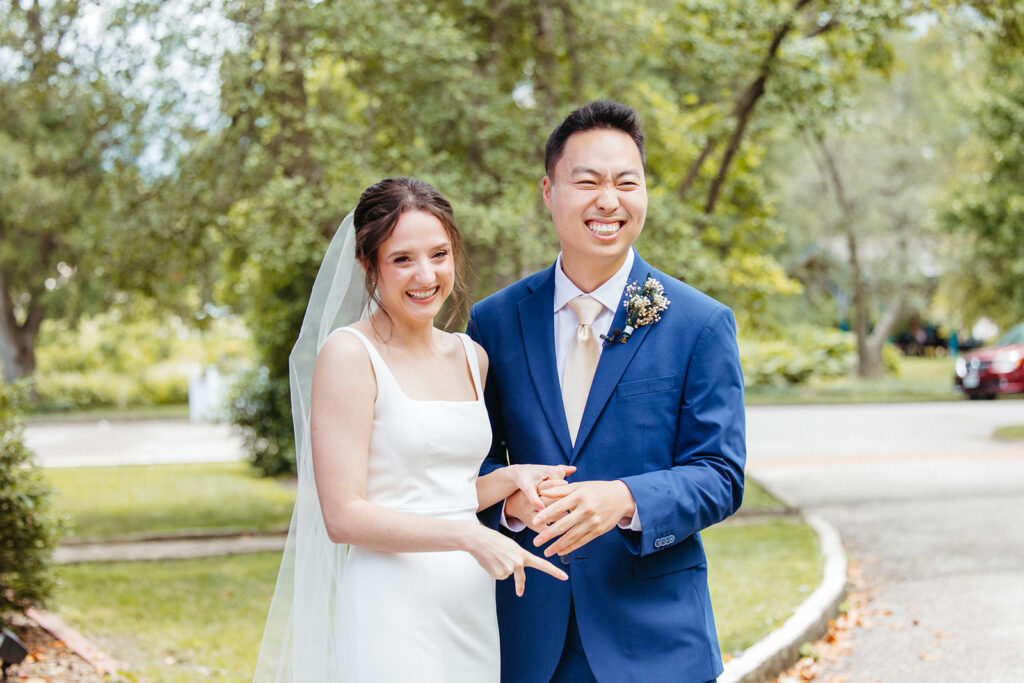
x,y
156,549
73,640
766,659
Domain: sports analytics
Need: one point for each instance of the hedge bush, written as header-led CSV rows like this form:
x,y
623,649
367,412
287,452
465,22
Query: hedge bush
x,y
260,407
805,353
28,530
113,360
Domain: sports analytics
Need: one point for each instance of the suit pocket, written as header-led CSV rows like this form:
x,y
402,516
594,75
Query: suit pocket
x,y
640,387
686,555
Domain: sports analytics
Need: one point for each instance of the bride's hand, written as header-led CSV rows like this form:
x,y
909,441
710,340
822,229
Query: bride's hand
x,y
502,557
528,479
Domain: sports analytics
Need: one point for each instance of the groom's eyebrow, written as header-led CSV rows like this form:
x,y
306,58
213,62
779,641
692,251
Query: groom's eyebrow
x,y
586,170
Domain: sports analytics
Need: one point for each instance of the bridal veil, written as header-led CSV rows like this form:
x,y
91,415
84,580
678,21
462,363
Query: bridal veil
x,y
298,641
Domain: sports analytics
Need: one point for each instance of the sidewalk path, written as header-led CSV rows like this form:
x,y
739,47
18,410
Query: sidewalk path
x,y
131,442
155,549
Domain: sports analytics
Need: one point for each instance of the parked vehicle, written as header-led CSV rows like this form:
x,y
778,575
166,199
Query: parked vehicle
x,y
996,369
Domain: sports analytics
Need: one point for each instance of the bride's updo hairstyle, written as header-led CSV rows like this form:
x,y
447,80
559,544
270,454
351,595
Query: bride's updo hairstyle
x,y
375,217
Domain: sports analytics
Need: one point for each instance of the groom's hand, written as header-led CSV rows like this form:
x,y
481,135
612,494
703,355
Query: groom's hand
x,y
582,512
518,506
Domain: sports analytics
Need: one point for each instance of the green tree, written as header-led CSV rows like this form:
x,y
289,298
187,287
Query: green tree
x,y
321,99
861,198
62,129
986,212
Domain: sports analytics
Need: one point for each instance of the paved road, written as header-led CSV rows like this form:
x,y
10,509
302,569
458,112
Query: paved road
x,y
933,511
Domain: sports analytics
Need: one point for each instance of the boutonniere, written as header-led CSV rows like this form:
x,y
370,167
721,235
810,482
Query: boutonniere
x,y
644,304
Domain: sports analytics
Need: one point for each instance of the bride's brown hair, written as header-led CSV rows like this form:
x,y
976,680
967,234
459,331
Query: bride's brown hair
x,y
376,215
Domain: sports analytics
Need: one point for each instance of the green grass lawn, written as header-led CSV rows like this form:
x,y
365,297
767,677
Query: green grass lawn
x,y
138,500
1010,433
197,619
759,573
101,502
917,379
178,621
757,500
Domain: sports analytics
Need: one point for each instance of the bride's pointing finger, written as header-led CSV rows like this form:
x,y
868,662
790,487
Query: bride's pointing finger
x,y
520,578
546,567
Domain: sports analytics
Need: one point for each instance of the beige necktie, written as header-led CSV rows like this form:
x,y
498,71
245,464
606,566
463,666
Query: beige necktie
x,y
580,362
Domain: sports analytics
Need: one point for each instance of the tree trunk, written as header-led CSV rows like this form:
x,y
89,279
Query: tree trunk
x,y
871,360
869,349
746,103
861,314
17,342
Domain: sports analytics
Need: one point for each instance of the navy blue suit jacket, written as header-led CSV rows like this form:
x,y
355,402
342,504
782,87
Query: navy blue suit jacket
x,y
666,416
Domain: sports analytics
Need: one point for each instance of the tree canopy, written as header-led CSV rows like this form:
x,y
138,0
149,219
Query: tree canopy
x,y
985,212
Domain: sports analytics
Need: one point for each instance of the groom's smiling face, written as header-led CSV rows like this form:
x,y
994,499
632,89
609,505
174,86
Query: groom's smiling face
x,y
597,195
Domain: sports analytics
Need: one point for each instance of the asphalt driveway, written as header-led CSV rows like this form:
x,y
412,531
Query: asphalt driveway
x,y
932,510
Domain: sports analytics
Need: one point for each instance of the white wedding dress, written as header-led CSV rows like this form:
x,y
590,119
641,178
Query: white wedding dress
x,y
421,617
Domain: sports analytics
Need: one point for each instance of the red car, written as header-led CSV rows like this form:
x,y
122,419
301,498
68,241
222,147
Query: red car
x,y
992,370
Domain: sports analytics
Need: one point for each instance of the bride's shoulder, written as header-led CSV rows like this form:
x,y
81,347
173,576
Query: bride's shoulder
x,y
481,354
342,346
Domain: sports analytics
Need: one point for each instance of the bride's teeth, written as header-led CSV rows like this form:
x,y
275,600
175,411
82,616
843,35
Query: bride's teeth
x,y
423,295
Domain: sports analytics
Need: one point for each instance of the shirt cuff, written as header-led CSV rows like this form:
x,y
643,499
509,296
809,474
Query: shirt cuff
x,y
513,524
626,523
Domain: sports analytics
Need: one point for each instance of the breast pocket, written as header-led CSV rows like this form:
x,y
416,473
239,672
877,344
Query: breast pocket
x,y
640,387
647,412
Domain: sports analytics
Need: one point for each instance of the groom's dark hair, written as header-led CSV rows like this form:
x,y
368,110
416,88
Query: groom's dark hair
x,y
597,114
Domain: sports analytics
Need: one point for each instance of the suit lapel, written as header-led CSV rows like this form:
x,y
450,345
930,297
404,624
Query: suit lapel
x,y
537,330
615,358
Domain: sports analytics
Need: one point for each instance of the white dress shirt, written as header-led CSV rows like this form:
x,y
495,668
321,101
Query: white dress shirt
x,y
609,294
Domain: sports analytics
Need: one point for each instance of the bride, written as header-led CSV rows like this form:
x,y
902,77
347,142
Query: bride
x,y
387,575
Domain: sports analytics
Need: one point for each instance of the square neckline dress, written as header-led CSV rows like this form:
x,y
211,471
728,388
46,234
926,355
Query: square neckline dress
x,y
425,616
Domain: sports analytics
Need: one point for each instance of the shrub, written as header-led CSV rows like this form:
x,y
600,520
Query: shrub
x,y
28,532
806,353
260,406
116,360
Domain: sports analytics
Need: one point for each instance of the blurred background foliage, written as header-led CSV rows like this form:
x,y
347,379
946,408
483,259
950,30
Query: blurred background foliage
x,y
816,164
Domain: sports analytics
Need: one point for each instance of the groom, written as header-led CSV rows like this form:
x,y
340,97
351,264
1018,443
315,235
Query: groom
x,y
653,420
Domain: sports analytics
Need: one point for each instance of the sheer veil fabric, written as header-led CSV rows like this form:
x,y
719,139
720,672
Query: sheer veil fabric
x,y
298,640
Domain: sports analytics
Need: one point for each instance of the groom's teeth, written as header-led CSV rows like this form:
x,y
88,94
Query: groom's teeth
x,y
604,229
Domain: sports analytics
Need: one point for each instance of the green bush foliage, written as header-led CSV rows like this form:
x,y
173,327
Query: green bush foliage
x,y
260,408
120,360
803,354
28,531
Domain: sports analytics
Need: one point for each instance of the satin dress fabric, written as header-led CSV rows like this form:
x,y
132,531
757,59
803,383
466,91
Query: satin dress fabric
x,y
426,616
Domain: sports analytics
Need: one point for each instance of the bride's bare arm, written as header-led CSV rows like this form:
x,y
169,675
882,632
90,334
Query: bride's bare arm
x,y
341,419
504,481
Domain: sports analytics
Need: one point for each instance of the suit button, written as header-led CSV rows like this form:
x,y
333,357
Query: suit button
x,y
564,559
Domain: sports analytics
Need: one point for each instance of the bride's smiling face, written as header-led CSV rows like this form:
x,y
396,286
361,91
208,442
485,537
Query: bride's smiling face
x,y
415,267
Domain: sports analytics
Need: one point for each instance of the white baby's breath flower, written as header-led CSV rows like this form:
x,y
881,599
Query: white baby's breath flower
x,y
644,304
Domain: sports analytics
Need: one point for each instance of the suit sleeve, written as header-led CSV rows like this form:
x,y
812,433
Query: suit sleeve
x,y
705,483
498,454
